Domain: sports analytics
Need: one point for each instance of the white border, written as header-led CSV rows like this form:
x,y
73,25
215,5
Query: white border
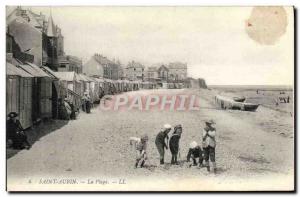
x,y
296,3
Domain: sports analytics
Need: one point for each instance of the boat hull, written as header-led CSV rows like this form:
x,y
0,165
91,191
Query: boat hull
x,y
229,103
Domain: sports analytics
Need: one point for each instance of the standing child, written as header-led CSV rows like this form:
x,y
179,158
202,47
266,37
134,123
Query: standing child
x,y
160,142
174,143
140,148
209,145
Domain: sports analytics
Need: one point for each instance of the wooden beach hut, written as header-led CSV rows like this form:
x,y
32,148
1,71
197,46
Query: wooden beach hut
x,y
93,89
41,92
70,86
100,86
55,91
84,83
19,94
126,85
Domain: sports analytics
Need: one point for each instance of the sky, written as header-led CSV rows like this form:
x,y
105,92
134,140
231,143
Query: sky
x,y
212,40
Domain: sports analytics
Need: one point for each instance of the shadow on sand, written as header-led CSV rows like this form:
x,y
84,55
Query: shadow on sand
x,y
37,132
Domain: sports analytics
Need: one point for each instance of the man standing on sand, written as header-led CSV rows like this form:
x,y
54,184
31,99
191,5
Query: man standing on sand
x,y
209,145
161,143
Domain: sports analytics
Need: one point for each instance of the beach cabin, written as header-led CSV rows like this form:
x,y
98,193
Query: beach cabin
x,y
41,92
55,90
126,85
129,86
19,94
93,89
100,86
70,86
84,83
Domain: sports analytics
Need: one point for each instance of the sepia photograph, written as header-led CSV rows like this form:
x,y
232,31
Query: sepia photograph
x,y
150,98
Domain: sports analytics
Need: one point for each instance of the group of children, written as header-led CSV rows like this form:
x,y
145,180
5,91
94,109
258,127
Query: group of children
x,y
204,155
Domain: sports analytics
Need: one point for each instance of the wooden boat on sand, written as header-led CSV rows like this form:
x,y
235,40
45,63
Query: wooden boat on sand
x,y
230,103
239,99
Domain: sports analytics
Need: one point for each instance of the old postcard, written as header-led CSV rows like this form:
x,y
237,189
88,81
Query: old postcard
x,y
150,98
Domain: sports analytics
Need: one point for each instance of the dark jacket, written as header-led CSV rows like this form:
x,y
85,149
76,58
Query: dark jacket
x,y
12,128
160,139
174,143
194,153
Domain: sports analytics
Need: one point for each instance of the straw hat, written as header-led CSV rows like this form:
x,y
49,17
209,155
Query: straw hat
x,y
12,114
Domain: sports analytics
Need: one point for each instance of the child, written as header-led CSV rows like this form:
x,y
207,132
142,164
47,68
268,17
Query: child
x,y
160,142
140,148
195,151
174,143
209,145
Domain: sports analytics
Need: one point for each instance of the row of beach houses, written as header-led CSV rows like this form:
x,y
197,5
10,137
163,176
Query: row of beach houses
x,y
36,93
40,77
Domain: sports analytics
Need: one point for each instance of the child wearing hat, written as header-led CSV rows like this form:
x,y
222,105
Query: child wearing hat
x,y
195,151
174,143
160,142
140,149
209,145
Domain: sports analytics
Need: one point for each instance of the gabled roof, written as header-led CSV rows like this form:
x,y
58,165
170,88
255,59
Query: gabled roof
x,y
28,40
102,60
83,77
66,76
33,19
90,78
34,70
177,65
134,64
39,18
15,71
49,72
162,67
